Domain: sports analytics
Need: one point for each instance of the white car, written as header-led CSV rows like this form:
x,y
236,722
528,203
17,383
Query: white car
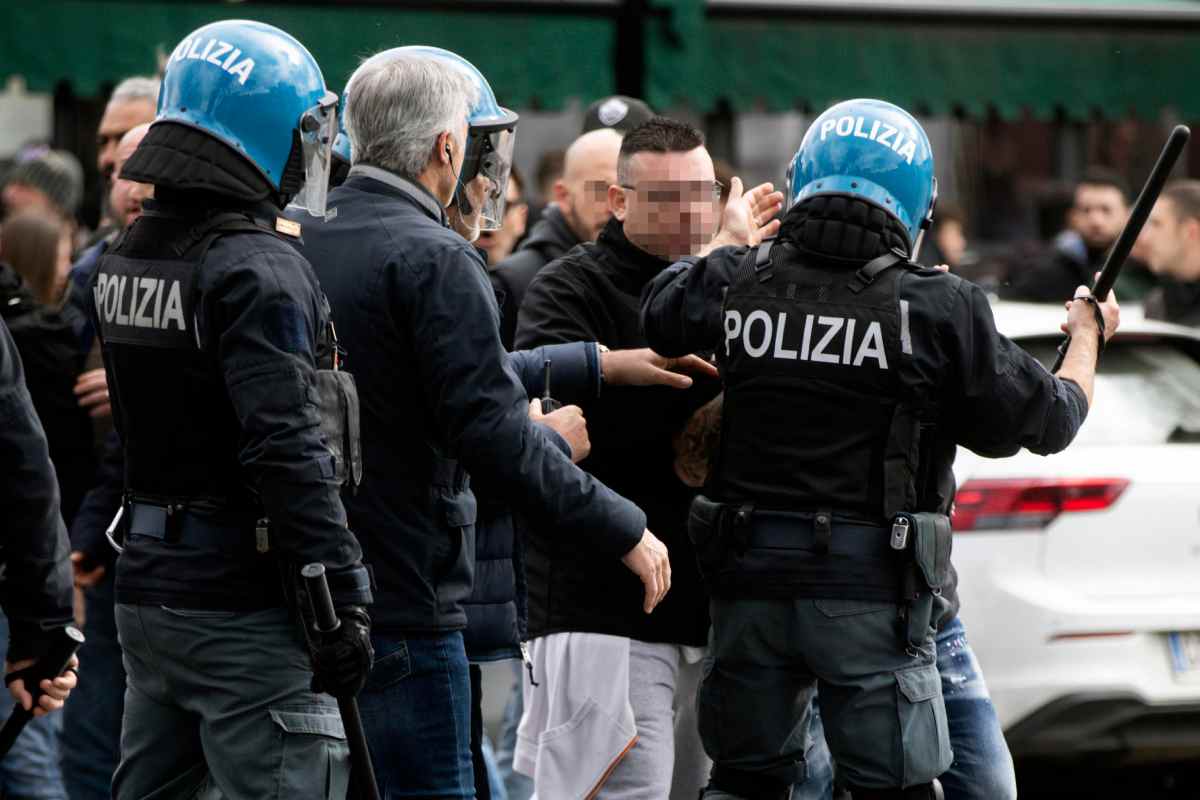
x,y
1079,573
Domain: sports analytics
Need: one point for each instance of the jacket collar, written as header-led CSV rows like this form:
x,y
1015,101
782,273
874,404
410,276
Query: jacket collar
x,y
552,229
413,190
631,259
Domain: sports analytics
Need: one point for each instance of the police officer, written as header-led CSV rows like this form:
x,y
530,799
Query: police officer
x,y
222,370
850,377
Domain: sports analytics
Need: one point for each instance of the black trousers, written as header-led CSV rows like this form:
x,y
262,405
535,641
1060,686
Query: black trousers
x,y
483,790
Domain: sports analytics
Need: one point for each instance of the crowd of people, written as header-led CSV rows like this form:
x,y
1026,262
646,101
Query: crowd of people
x,y
463,513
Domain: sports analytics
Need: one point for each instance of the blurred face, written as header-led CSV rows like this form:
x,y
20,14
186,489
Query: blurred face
x,y
951,241
670,203
500,243
18,197
1170,243
119,118
125,197
1098,215
590,167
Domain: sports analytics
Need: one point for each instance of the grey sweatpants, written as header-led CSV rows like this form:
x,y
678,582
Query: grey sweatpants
x,y
217,705
668,759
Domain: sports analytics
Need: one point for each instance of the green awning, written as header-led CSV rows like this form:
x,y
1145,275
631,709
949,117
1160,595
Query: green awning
x,y
531,59
788,60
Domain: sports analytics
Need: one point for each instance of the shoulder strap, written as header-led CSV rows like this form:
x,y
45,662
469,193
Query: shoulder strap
x,y
204,233
867,274
760,269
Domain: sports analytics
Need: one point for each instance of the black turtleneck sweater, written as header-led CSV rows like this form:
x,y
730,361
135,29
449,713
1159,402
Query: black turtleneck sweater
x,y
593,294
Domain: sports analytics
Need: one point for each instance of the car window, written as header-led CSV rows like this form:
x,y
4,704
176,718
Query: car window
x,y
1147,392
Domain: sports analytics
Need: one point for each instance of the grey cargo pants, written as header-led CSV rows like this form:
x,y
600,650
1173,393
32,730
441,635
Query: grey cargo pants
x,y
884,718
217,705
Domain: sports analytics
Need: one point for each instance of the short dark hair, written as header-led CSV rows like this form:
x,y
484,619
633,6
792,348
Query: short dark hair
x,y
1103,176
1185,194
657,135
549,169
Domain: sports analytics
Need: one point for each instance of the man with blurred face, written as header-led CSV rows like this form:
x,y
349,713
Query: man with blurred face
x,y
1171,241
580,209
665,204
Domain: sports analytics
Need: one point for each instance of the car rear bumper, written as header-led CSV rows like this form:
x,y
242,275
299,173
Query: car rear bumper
x,y
1089,723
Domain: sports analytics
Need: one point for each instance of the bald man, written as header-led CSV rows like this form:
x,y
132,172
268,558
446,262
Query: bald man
x,y
579,211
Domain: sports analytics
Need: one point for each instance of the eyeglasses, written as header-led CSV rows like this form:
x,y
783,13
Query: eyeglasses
x,y
666,192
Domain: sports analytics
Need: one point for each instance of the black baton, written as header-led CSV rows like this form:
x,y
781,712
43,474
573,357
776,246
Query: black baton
x,y
1133,227
54,663
362,774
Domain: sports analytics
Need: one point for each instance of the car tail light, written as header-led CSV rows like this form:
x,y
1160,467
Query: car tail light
x,y
982,505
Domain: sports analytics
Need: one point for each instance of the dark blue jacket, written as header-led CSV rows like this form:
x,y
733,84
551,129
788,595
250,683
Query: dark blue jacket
x,y
440,399
36,591
251,341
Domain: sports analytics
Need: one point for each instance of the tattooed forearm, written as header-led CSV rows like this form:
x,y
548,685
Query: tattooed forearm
x,y
696,444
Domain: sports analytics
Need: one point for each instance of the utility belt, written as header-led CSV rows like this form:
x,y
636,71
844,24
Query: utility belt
x,y
231,533
822,553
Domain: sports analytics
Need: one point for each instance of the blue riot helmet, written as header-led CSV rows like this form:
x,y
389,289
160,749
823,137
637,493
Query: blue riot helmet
x,y
257,90
491,133
872,150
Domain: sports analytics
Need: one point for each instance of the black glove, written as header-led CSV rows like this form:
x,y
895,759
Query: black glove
x,y
343,660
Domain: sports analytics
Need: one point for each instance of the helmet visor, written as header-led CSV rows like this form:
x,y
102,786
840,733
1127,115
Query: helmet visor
x,y
489,156
318,129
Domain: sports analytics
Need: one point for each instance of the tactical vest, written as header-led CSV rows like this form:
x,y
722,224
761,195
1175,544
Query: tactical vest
x,y
815,413
179,429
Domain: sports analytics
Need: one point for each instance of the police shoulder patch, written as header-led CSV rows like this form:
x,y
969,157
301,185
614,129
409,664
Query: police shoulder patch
x,y
287,227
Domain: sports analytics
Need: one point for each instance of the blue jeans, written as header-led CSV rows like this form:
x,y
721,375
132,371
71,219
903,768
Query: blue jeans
x,y
982,768
92,719
31,769
416,709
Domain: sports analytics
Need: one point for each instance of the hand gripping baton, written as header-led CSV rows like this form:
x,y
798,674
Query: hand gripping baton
x,y
1137,218
54,663
362,774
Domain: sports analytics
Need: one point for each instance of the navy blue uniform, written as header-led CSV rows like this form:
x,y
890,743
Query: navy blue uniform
x,y
441,399
36,591
221,417
848,387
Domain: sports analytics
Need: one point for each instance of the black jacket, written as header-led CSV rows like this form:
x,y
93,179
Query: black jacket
x,y
1175,302
50,352
258,317
549,239
36,592
593,293
418,319
1067,265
